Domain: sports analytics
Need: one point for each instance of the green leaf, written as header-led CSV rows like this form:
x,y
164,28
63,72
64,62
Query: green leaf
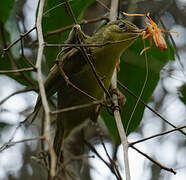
x,y
11,58
57,18
6,63
2,125
132,74
5,9
182,94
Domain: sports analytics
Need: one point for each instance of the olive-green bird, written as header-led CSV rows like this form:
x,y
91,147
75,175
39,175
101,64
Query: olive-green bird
x,y
118,35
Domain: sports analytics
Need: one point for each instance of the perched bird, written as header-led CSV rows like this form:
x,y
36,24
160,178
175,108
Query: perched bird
x,y
112,40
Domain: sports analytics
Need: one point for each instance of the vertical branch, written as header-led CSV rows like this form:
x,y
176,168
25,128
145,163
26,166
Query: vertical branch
x,y
42,89
114,10
117,116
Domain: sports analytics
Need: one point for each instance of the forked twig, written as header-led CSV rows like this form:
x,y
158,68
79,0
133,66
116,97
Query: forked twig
x,y
113,165
92,148
17,40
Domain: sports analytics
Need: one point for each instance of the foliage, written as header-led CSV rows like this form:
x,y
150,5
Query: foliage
x,y
5,9
132,75
132,66
182,94
59,18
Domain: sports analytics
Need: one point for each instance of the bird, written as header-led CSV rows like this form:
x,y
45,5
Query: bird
x,y
108,44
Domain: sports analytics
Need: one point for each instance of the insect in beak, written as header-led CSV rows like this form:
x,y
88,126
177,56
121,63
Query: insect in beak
x,y
152,31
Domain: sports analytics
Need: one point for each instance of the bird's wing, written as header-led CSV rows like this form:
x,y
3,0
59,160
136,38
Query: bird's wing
x,y
72,62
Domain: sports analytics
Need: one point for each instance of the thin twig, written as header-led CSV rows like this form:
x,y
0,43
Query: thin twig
x,y
42,88
69,8
12,143
103,5
18,66
156,135
72,108
83,22
146,105
17,92
71,84
142,90
3,147
23,54
24,76
17,70
17,40
60,30
100,82
112,163
154,161
92,148
51,9
93,103
68,161
91,45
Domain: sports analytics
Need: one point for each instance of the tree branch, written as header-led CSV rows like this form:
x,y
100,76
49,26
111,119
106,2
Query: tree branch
x,y
154,161
117,116
17,92
17,40
17,70
42,89
156,135
12,143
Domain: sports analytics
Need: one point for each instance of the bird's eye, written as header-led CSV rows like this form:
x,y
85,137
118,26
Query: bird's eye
x,y
122,25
